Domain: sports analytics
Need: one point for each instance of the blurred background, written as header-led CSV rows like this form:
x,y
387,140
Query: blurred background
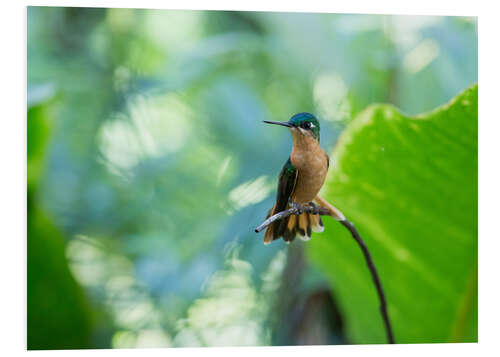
x,y
149,166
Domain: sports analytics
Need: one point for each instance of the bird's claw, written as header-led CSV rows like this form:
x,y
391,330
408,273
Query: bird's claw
x,y
315,208
298,207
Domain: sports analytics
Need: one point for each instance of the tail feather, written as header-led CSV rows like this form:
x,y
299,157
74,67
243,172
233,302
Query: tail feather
x,y
308,228
317,223
290,230
269,235
293,226
302,226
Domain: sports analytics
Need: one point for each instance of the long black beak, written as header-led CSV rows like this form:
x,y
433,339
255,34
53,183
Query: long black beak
x,y
288,125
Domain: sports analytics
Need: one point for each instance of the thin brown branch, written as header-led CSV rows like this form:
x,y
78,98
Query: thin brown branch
x,y
333,212
375,277
283,214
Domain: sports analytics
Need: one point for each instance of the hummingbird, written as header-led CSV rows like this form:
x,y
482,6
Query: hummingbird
x,y
300,180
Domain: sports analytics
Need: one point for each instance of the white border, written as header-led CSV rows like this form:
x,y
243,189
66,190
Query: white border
x,y
426,7
13,185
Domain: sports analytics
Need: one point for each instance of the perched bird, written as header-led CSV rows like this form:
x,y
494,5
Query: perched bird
x,y
300,181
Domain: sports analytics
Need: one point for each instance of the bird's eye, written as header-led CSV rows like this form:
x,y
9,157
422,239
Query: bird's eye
x,y
306,125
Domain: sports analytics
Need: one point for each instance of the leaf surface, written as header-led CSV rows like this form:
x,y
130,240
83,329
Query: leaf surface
x,y
409,184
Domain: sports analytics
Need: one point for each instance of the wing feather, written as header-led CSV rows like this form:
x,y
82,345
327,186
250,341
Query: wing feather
x,y
286,185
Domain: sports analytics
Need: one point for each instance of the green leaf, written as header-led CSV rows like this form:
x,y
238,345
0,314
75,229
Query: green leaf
x,y
58,314
409,184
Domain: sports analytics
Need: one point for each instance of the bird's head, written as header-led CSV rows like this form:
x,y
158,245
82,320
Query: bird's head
x,y
301,124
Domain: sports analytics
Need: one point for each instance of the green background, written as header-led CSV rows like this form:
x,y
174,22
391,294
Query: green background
x,y
149,167
415,201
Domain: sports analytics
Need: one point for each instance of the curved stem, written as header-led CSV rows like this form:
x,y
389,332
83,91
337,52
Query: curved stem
x,y
337,215
375,277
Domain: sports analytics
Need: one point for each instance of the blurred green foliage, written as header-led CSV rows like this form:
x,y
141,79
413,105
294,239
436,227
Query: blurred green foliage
x,y
58,314
150,167
410,184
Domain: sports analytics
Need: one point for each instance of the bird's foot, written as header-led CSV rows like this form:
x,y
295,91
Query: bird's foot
x,y
315,208
298,207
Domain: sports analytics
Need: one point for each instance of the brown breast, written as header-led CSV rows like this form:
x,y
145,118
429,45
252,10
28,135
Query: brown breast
x,y
311,163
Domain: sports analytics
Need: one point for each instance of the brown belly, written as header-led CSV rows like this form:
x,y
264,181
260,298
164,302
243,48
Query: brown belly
x,y
311,163
309,181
